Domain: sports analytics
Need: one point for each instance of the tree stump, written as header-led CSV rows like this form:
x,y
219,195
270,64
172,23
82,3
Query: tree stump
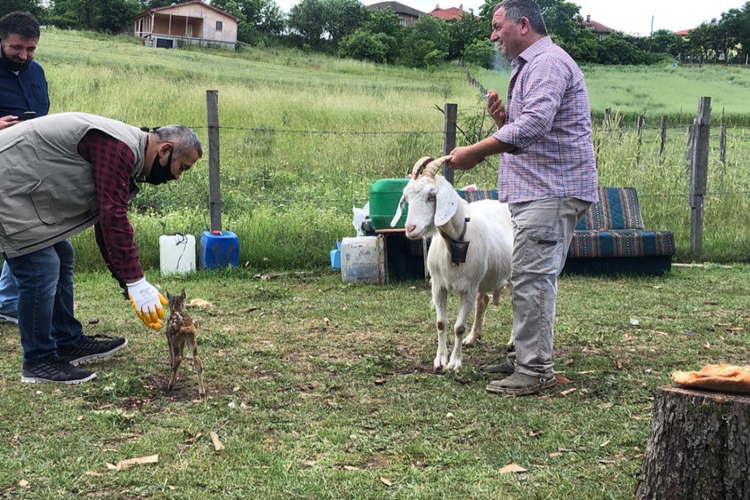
x,y
699,447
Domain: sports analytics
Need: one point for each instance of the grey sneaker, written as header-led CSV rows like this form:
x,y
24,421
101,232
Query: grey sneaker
x,y
519,384
8,318
505,368
54,370
91,348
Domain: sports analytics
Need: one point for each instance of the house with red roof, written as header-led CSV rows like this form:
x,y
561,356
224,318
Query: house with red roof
x,y
406,15
599,29
192,22
449,15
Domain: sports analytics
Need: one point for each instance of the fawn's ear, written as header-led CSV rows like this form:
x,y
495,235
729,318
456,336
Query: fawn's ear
x,y
183,295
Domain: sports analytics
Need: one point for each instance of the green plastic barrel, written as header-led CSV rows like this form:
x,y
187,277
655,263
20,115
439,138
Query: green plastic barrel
x,y
384,197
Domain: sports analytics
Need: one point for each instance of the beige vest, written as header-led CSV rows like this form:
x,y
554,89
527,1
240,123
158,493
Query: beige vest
x,y
47,191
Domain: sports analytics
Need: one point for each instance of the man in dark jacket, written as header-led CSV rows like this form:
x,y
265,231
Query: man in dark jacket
x,y
23,89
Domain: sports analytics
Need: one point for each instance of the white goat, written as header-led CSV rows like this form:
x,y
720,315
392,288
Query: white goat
x,y
435,209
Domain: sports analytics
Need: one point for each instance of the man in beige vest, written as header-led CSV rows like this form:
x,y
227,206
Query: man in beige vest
x,y
62,174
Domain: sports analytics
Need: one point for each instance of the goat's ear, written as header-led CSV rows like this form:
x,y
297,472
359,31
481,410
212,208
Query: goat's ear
x,y
183,295
169,296
446,204
399,210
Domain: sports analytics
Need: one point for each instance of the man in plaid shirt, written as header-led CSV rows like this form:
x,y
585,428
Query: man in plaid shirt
x,y
547,175
61,174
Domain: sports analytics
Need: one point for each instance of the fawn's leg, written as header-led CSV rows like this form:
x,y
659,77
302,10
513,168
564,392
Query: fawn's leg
x,y
171,354
198,365
178,346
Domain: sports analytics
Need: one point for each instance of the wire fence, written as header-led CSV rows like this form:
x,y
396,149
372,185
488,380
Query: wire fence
x,y
318,175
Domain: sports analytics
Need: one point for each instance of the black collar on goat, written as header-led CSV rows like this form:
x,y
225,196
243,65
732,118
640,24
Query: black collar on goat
x,y
459,247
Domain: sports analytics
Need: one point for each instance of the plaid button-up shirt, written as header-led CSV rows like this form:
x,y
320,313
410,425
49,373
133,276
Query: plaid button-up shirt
x,y
112,165
548,118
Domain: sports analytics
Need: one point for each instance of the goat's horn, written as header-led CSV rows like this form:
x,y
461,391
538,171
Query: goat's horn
x,y
419,165
431,169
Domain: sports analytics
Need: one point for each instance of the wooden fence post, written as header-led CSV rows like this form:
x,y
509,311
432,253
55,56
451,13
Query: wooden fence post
x,y
449,139
690,146
699,175
723,141
639,128
214,172
607,117
663,145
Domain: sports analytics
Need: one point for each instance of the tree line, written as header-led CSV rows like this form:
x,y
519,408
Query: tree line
x,y
347,28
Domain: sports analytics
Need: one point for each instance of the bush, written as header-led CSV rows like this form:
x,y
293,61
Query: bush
x,y
365,46
480,52
616,49
434,58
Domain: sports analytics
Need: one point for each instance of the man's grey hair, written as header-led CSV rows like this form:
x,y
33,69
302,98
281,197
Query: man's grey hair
x,y
182,138
517,9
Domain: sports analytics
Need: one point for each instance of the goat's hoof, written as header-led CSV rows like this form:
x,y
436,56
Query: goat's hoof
x,y
470,341
438,370
454,366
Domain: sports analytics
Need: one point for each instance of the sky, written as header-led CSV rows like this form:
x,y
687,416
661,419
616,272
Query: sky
x,y
630,16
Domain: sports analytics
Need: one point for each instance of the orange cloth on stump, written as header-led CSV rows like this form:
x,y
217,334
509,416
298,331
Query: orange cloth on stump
x,y
722,378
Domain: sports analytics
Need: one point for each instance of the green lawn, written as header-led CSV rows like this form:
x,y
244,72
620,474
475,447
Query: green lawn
x,y
319,389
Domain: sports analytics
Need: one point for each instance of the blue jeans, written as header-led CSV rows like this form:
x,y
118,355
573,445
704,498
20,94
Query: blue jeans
x,y
8,292
45,301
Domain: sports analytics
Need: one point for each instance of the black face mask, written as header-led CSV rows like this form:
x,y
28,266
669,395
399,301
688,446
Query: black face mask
x,y
10,64
159,174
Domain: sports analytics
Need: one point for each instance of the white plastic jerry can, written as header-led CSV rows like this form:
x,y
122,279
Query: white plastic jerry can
x,y
176,253
363,260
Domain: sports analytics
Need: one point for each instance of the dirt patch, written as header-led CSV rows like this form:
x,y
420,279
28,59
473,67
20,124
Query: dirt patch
x,y
264,375
185,391
376,462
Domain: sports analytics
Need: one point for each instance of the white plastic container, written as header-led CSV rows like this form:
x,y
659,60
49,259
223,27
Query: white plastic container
x,y
176,253
363,260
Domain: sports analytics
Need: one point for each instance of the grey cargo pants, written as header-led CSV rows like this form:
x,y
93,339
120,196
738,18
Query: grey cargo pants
x,y
542,230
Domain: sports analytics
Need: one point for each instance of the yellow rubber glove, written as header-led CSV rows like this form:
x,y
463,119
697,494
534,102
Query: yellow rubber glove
x,y
147,303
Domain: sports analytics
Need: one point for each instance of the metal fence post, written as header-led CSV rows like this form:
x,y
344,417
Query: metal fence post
x,y
449,139
214,172
699,175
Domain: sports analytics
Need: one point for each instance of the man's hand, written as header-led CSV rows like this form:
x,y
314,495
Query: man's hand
x,y
147,303
496,108
8,121
464,158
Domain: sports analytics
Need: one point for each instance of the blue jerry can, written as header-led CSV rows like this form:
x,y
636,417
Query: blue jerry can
x,y
219,249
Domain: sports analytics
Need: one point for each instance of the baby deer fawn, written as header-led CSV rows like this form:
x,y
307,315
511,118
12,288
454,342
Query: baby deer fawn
x,y
181,330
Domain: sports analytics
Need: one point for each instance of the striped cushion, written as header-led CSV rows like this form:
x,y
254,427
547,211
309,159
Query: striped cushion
x,y
622,243
613,227
617,209
478,194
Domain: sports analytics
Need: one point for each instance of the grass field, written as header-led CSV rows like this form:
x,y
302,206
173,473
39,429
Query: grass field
x,y
288,191
319,389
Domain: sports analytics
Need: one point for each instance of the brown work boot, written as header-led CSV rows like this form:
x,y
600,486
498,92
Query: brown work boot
x,y
504,368
519,384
